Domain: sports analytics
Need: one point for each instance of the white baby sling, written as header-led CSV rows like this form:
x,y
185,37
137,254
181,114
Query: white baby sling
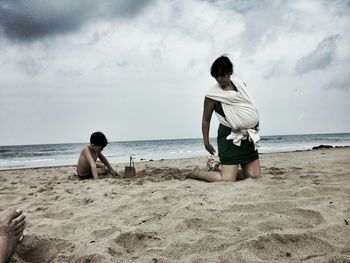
x,y
240,111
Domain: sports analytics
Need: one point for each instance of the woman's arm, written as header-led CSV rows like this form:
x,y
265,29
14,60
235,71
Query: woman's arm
x,y
208,109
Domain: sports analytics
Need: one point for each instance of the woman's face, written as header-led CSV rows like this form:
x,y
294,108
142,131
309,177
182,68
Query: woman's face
x,y
224,80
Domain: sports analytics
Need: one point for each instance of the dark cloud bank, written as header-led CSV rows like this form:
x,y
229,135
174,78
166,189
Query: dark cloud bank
x,y
27,21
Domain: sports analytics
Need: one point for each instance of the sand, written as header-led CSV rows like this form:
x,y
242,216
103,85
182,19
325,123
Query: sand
x,y
299,211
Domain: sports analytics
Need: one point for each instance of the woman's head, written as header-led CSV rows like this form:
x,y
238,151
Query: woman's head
x,y
222,66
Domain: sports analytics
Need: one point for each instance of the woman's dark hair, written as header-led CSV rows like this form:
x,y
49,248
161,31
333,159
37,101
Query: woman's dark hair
x,y
221,67
98,139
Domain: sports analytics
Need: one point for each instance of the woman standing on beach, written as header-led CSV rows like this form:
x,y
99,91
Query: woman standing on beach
x,y
238,130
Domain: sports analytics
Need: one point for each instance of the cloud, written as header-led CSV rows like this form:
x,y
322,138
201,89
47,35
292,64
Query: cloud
x,y
319,58
338,7
69,73
30,65
27,21
273,69
242,6
261,27
341,81
124,8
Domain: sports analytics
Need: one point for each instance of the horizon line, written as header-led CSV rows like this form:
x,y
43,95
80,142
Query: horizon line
x,y
174,139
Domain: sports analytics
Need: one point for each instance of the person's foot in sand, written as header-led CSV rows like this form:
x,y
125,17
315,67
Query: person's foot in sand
x,y
131,171
11,232
140,170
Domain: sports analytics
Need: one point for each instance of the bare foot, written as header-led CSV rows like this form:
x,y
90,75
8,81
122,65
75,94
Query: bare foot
x,y
241,175
11,231
194,174
140,170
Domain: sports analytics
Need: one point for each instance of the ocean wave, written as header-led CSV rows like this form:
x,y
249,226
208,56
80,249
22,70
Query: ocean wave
x,y
271,139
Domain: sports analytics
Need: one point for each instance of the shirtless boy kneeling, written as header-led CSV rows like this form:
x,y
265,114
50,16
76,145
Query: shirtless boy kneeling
x,y
87,166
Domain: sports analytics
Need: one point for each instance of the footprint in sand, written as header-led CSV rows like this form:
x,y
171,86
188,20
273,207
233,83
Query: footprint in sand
x,y
296,247
307,216
132,241
62,215
37,249
290,219
101,233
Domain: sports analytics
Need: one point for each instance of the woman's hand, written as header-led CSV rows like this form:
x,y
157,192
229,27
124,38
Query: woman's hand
x,y
207,113
210,148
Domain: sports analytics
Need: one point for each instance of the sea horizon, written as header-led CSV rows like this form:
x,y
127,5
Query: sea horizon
x,y
162,139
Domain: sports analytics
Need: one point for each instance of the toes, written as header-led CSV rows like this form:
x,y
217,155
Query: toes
x,y
18,220
19,231
20,225
13,215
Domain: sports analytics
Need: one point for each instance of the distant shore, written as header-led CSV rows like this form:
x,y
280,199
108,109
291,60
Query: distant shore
x,y
298,211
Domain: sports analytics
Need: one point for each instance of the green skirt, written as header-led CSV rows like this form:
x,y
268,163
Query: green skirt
x,y
231,154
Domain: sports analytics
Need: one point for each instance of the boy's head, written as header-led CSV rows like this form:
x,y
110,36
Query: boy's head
x,y
98,139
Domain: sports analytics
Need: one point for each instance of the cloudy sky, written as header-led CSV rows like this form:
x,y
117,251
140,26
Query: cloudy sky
x,y
139,69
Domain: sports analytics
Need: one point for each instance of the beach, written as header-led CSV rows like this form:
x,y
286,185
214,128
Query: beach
x,y
299,211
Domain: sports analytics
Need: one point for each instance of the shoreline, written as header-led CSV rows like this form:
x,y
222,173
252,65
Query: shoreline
x,y
160,160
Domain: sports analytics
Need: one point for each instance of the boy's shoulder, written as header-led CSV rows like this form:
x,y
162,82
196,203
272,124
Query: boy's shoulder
x,y
86,149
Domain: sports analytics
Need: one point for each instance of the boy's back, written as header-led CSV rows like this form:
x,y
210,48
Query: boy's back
x,y
83,165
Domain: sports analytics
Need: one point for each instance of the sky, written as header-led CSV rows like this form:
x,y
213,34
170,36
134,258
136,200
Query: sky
x,y
139,69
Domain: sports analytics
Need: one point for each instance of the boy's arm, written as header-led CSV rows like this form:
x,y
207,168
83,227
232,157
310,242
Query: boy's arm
x,y
105,162
91,161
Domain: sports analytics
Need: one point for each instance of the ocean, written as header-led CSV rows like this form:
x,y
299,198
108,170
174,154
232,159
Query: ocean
x,y
28,156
